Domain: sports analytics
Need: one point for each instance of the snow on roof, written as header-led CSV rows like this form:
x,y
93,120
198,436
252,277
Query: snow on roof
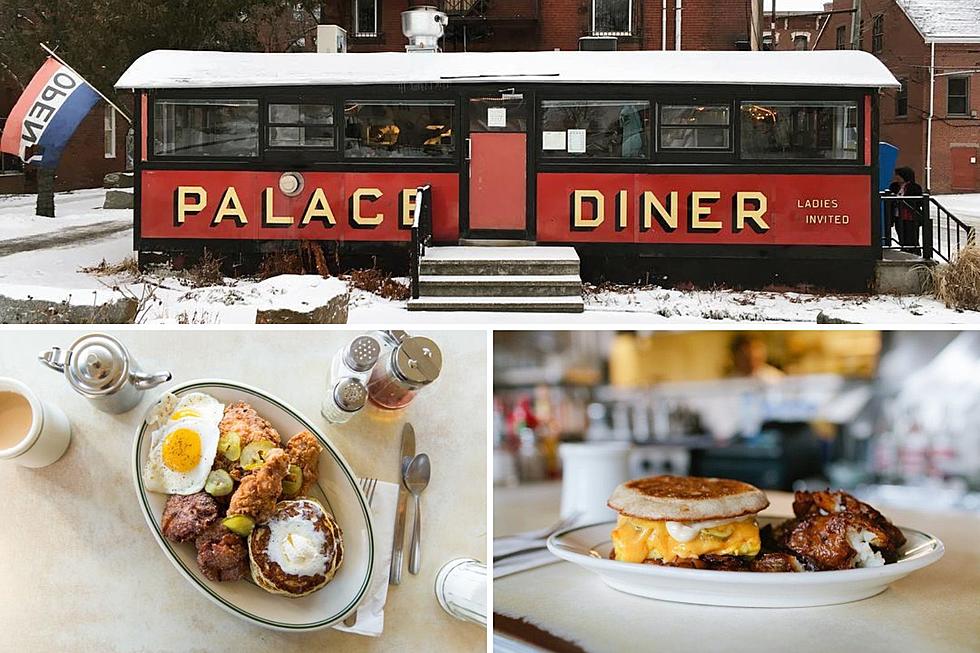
x,y
952,21
204,69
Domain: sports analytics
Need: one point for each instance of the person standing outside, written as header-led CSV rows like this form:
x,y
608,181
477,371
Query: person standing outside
x,y
909,214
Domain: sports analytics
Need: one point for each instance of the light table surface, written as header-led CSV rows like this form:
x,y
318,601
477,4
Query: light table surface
x,y
571,609
81,571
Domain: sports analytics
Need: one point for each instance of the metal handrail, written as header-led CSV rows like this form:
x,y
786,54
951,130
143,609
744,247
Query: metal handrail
x,y
943,234
421,234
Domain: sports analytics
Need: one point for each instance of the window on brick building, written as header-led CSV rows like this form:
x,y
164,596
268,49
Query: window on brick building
x,y
612,17
958,96
366,18
109,131
878,34
902,99
695,127
801,42
842,37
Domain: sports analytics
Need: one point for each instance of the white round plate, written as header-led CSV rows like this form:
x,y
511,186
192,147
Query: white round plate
x,y
337,489
589,547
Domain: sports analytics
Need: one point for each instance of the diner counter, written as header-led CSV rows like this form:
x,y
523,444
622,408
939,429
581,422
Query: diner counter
x,y
564,607
82,572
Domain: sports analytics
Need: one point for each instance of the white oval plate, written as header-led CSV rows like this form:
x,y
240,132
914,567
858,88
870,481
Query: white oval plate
x,y
339,492
589,547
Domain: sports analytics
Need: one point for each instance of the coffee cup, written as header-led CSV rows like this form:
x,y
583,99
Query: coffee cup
x,y
33,433
590,472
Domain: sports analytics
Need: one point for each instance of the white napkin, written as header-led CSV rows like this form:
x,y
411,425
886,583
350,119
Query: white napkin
x,y
371,611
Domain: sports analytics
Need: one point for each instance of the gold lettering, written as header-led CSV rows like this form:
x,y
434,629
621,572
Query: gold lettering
x,y
698,212
667,217
269,216
184,207
408,207
318,208
578,199
622,203
372,194
230,207
742,212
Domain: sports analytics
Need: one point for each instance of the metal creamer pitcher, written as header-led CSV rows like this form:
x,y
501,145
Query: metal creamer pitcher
x,y
100,369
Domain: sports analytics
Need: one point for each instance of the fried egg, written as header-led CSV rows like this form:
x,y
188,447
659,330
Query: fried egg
x,y
184,444
181,459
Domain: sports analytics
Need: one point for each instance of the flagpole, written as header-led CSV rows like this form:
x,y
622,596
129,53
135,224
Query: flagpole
x,y
65,64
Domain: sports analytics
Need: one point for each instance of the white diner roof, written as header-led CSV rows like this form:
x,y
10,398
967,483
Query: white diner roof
x,y
206,69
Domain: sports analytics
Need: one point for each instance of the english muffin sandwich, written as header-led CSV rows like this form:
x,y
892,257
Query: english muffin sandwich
x,y
677,520
297,551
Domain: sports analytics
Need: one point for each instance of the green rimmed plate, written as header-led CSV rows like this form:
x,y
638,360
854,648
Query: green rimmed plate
x,y
337,489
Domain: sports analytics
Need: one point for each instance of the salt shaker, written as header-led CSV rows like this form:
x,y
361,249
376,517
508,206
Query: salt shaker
x,y
347,396
413,364
461,589
355,359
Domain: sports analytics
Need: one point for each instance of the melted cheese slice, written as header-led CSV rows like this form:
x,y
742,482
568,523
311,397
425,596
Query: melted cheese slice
x,y
636,540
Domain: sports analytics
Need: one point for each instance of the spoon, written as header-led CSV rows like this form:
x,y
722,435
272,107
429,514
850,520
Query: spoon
x,y
416,479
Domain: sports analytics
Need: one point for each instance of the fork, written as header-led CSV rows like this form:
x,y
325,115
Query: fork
x,y
543,533
368,486
521,543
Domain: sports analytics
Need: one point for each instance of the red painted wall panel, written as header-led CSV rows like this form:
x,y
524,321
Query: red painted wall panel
x,y
159,199
801,209
498,181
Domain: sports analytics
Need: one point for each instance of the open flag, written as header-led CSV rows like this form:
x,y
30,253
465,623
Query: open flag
x,y
47,114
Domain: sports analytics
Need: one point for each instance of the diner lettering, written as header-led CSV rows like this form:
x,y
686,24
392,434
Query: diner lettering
x,y
748,209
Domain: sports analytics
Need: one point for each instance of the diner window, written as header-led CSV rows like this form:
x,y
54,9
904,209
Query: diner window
x,y
902,99
301,125
109,132
878,34
612,17
842,37
801,42
692,127
206,128
366,17
958,96
768,41
595,129
799,130
403,129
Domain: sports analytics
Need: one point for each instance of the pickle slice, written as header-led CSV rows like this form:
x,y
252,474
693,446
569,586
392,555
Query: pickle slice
x,y
239,524
219,483
254,453
293,481
230,445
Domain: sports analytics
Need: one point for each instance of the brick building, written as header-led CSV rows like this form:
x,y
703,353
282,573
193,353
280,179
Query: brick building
x,y
97,147
933,48
792,30
510,25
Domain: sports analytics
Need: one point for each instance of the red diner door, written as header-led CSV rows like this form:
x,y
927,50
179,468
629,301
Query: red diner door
x,y
497,166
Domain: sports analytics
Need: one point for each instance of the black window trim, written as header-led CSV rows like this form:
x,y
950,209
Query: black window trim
x,y
860,126
220,94
453,156
965,96
599,161
672,151
299,100
902,95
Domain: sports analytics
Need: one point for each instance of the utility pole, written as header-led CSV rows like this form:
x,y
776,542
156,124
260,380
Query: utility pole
x,y
856,26
758,11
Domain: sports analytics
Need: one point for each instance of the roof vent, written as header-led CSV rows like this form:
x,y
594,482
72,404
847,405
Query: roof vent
x,y
423,27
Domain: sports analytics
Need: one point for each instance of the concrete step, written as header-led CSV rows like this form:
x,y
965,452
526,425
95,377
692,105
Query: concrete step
x,y
548,285
499,304
505,261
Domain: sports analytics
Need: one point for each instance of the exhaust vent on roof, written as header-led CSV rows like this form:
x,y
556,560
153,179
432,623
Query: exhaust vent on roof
x,y
423,27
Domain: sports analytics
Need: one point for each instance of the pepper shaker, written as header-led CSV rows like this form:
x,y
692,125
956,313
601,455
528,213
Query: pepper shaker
x,y
355,359
410,366
346,398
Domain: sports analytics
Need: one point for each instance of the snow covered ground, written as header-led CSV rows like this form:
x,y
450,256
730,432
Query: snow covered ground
x,y
54,273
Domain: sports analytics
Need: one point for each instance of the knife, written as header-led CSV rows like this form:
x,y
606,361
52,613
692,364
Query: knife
x,y
398,544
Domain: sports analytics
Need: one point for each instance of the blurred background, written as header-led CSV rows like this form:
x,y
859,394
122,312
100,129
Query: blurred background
x,y
890,416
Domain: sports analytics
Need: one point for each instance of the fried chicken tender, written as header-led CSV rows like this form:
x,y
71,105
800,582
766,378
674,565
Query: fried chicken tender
x,y
242,419
304,450
258,492
833,530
